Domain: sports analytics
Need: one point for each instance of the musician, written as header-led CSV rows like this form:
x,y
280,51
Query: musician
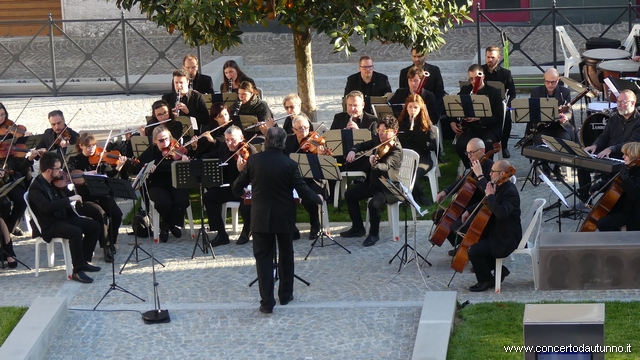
x,y
415,76
197,81
494,72
216,196
564,128
355,117
367,81
503,231
218,117
187,102
415,133
480,173
56,217
51,139
295,144
251,104
6,124
433,84
160,111
234,76
489,129
6,246
273,176
99,208
386,163
169,201
622,127
292,105
626,211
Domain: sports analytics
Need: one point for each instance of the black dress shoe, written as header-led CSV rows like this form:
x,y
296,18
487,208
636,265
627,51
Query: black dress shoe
x,y
296,235
265,310
12,265
164,236
286,301
371,240
313,234
353,232
80,276
175,231
17,232
113,249
505,153
452,252
90,268
504,274
108,257
479,287
243,239
220,239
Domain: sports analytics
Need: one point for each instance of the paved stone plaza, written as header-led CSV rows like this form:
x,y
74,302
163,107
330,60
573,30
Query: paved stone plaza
x,y
357,306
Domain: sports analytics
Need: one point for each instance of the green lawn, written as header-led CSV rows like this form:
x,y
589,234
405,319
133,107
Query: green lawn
x,y
482,330
9,318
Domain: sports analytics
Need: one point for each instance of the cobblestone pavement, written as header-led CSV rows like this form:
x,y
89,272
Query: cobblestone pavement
x,y
357,307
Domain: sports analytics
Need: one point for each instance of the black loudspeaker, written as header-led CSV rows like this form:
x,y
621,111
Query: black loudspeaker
x,y
589,260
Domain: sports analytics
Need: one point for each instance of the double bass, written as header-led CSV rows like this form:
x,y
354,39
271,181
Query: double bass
x,y
459,203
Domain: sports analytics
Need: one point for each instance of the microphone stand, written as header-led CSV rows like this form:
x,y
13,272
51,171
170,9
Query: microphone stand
x,y
156,316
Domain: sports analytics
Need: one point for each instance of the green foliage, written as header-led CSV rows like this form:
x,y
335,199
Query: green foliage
x,y
416,23
9,318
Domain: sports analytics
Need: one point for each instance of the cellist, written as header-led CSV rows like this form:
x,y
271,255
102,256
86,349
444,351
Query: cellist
x,y
627,210
503,231
481,172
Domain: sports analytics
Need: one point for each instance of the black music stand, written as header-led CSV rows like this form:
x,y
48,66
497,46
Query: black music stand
x,y
561,200
402,192
461,106
111,188
198,174
140,183
4,191
319,167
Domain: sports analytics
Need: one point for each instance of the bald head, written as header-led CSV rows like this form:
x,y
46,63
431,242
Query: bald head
x,y
551,77
552,72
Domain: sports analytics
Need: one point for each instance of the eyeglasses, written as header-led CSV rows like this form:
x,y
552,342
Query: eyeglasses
x,y
367,67
624,102
162,114
54,169
388,131
551,82
163,139
289,107
495,171
302,128
231,141
471,152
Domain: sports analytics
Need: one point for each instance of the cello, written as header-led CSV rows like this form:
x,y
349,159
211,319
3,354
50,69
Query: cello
x,y
463,192
477,227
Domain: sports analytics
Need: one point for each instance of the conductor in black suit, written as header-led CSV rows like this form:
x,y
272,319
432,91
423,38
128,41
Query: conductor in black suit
x,y
369,82
273,177
503,231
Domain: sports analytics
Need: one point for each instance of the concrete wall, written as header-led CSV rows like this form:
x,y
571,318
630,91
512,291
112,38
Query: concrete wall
x,y
580,16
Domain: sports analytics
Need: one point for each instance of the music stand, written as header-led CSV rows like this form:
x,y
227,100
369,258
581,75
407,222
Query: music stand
x,y
496,84
198,174
4,191
616,85
461,106
32,140
403,193
229,99
188,124
535,110
139,144
561,200
318,167
139,184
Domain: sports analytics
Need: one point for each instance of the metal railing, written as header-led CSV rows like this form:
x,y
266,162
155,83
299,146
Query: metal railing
x,y
556,13
38,60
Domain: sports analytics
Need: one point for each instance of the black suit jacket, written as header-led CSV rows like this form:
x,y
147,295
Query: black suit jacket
x,y
378,86
49,205
203,84
434,82
433,106
493,123
273,176
49,137
368,121
480,185
195,103
504,76
504,229
563,95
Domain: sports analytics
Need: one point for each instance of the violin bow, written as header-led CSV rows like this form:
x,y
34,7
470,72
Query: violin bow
x,y
104,149
311,134
174,145
375,148
246,143
66,126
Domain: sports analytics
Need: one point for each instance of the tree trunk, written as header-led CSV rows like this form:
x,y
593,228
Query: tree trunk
x,y
304,71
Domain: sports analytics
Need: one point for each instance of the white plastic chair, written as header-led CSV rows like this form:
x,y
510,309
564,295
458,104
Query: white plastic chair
x,y
341,185
567,45
630,44
64,243
530,221
155,218
408,171
233,205
434,173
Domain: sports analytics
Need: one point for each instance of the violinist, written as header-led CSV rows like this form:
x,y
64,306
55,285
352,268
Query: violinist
x,y
369,82
494,72
503,231
626,211
215,197
59,136
292,105
415,133
489,129
416,77
99,208
9,128
186,102
52,208
385,163
480,173
233,76
171,203
251,104
296,144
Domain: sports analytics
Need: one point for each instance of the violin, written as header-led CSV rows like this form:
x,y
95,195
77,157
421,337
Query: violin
x,y
64,135
477,227
242,151
385,144
17,150
174,151
10,127
76,178
109,157
312,142
384,149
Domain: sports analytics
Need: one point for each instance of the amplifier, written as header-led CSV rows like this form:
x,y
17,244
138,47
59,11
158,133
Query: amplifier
x,y
589,260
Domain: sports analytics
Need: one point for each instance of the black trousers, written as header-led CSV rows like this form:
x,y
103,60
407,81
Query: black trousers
x,y
615,219
12,214
378,201
73,228
424,166
213,200
482,260
314,209
264,250
488,136
171,204
506,131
